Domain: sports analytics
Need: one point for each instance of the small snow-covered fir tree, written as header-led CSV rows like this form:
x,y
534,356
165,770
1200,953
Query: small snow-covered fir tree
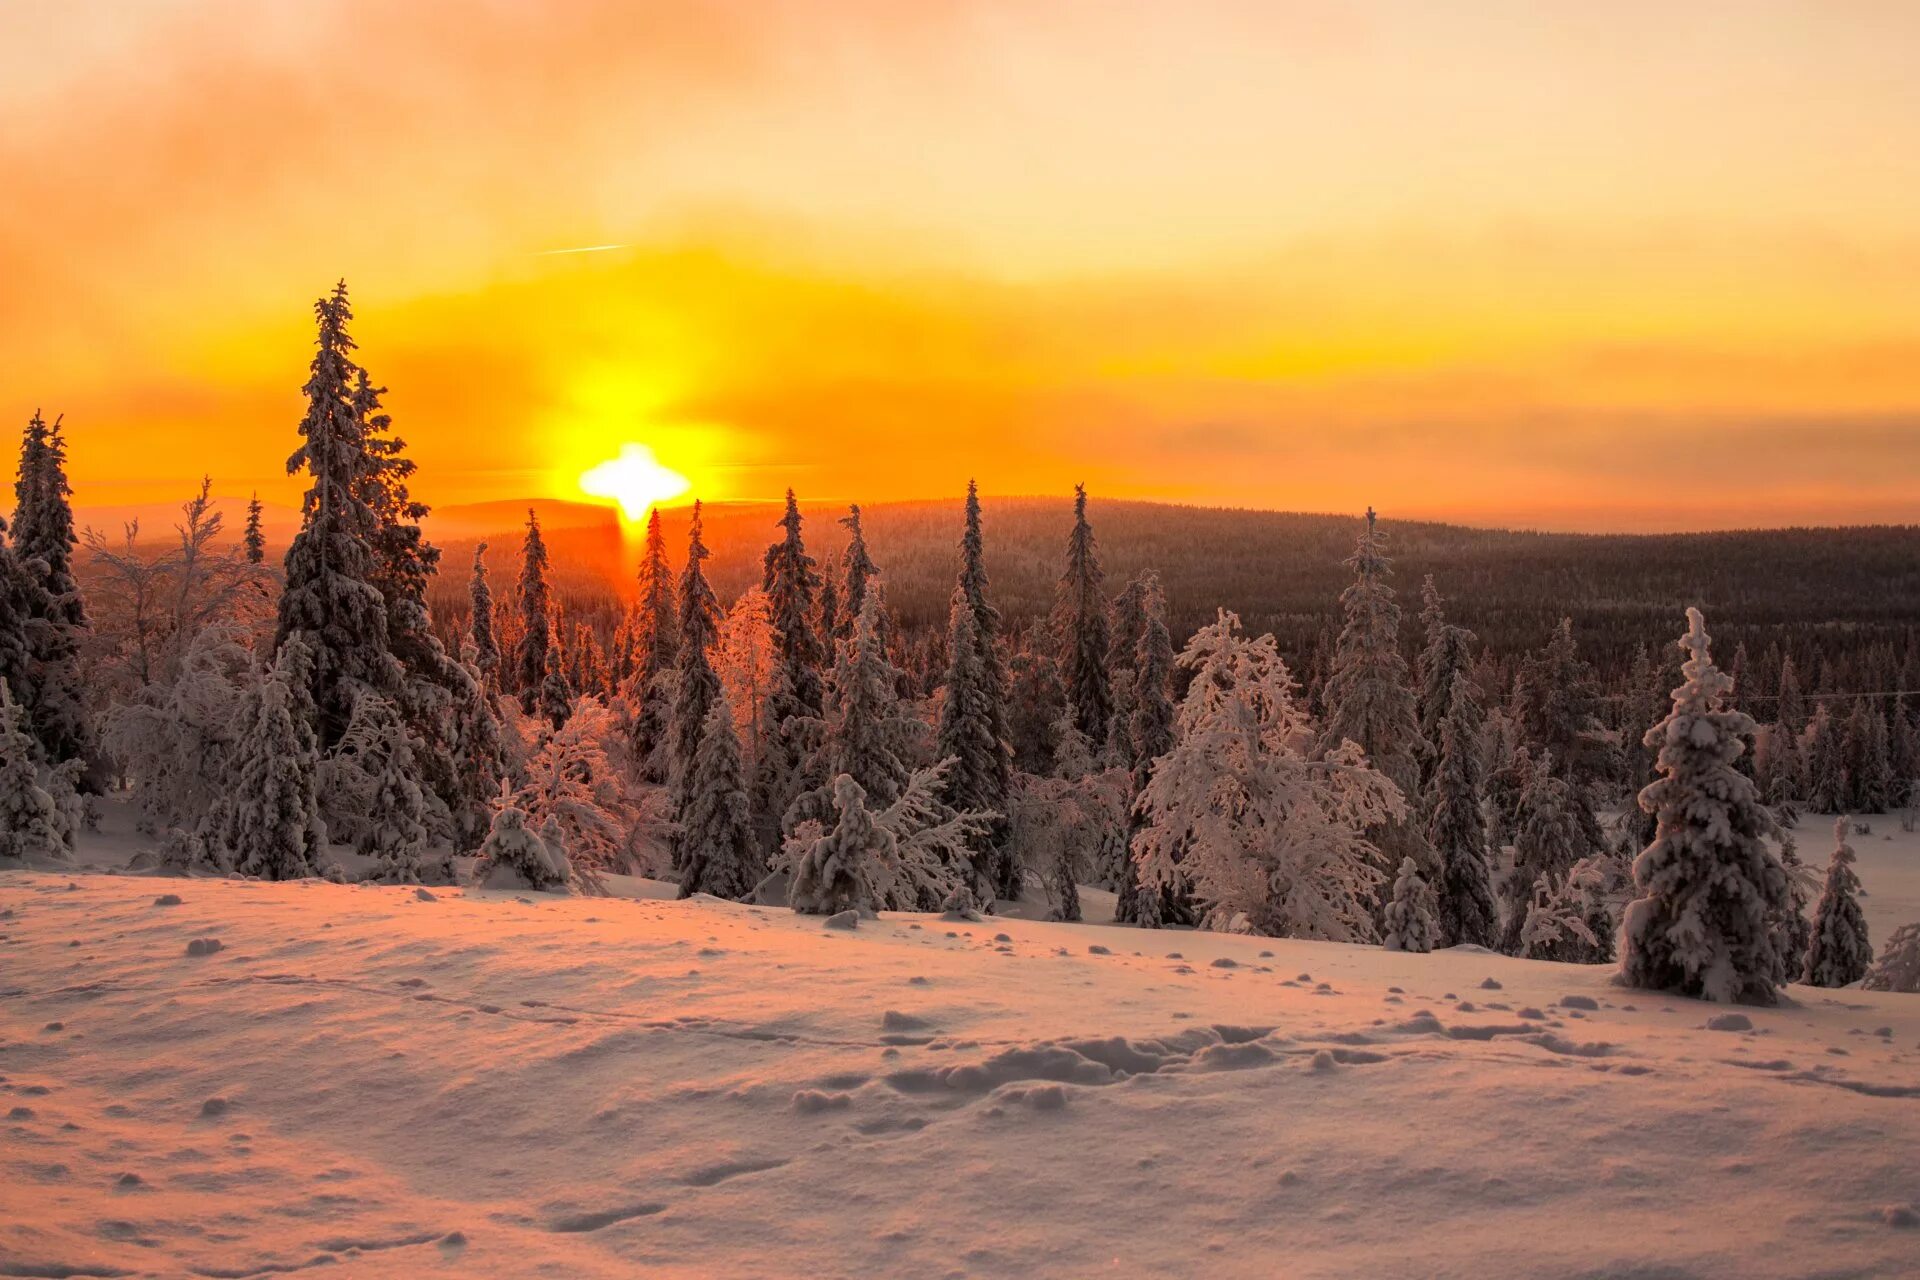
x,y
1410,923
866,734
973,729
1708,886
1792,930
253,540
1557,922
538,680
274,830
1456,830
836,872
1551,839
1828,786
486,645
570,780
721,856
1150,736
657,646
1274,843
31,826
696,685
515,856
1083,609
377,753
784,767
1898,968
856,570
1839,951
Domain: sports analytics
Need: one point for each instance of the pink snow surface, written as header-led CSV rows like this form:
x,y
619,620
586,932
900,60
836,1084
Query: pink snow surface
x,y
515,1085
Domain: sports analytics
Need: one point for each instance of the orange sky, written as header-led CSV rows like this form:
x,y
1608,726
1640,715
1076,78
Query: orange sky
x,y
1515,263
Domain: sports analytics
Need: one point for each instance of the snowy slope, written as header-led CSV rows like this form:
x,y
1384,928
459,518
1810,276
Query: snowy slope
x,y
491,1084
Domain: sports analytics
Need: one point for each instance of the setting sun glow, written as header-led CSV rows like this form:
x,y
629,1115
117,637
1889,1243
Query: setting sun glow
x,y
635,480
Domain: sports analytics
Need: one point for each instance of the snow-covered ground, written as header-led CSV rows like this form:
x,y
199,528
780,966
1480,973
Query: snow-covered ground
x,y
468,1083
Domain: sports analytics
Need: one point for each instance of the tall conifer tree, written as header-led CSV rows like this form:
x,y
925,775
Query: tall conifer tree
x,y
1084,610
696,684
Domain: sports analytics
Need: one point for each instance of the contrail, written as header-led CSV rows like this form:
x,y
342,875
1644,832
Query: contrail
x,y
592,248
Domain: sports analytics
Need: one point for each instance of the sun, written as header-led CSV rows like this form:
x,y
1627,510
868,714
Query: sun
x,y
635,480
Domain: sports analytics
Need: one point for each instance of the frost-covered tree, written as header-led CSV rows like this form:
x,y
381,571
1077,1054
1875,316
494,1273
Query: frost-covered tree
x,y
1274,843
486,645
1410,921
330,600
1790,705
1792,931
1555,700
745,658
973,730
1366,694
1083,612
836,872
47,597
1898,968
1828,784
1708,887
1456,830
865,734
273,829
1150,736
1555,833
514,856
1128,623
31,825
1869,761
1036,699
571,780
1446,654
720,853
658,648
253,539
537,678
696,685
856,570
1839,952
374,765
785,768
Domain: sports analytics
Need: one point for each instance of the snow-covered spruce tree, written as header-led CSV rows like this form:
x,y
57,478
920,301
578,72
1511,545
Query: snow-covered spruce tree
x,y
49,599
1708,887
1036,699
1828,785
856,570
836,872
1869,762
1456,830
1150,736
1553,836
1083,611
515,856
1898,968
973,728
1555,701
1367,696
374,763
977,777
1790,706
1410,922
785,767
720,853
1447,653
657,652
1792,931
696,684
537,679
330,599
436,692
866,734
1274,843
31,825
744,659
274,829
1128,623
253,540
1839,952
486,646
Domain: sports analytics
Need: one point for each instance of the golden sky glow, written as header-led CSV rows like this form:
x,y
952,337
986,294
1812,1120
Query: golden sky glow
x,y
1499,262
